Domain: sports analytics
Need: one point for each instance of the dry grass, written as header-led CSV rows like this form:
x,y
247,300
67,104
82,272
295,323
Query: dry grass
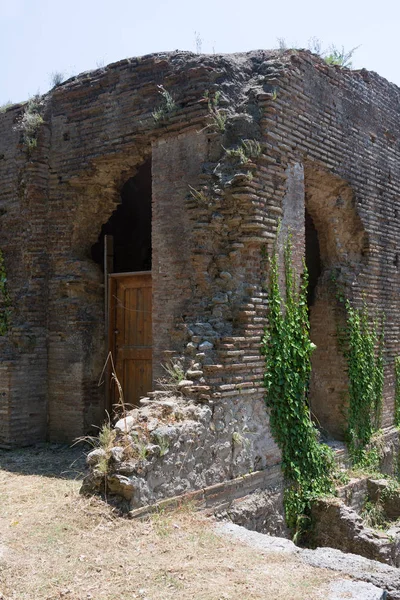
x,y
55,544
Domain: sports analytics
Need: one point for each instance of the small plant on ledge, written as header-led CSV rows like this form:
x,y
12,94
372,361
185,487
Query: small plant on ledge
x,y
30,122
166,109
216,116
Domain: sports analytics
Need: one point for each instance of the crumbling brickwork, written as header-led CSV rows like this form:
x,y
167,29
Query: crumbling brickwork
x,y
321,138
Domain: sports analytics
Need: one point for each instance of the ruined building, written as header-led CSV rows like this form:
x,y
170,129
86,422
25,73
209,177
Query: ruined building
x,y
137,216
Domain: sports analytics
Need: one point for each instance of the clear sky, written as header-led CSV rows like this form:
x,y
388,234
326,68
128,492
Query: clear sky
x,y
39,37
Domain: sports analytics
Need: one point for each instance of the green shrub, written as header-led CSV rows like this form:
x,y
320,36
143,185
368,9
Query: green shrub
x,y
364,355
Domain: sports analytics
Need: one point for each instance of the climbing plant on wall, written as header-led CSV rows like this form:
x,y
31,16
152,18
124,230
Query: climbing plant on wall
x,y
364,355
5,302
306,464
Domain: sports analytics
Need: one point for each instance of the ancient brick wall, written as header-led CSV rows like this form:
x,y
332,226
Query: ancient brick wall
x,y
23,202
343,126
329,141
97,130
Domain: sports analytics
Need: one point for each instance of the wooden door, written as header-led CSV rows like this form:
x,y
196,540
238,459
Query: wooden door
x,y
130,335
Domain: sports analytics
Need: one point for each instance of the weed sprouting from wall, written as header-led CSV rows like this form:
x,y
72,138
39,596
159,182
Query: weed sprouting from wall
x,y
31,121
364,355
168,106
332,56
5,106
216,116
306,464
56,78
200,196
247,150
5,300
174,374
339,56
198,40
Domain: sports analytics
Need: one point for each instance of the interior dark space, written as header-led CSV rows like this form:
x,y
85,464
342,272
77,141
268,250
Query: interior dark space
x,y
313,258
130,226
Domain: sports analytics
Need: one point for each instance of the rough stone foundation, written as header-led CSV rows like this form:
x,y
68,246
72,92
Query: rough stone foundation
x,y
338,522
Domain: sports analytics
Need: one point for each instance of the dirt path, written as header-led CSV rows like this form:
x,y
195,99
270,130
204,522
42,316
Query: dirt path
x,y
55,544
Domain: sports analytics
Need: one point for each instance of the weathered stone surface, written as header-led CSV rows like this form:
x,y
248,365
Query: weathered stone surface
x,y
174,447
261,541
384,577
121,486
338,526
95,456
125,424
380,490
355,590
355,493
261,511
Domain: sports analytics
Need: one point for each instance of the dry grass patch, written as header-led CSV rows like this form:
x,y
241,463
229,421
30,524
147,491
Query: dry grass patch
x,y
55,544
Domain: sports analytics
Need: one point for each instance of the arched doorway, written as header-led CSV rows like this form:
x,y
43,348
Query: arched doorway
x,y
123,251
129,226
334,240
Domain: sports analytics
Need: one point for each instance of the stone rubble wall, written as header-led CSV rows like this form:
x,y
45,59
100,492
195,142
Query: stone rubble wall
x,y
171,447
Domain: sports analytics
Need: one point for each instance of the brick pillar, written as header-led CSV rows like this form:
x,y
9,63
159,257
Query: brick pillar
x,y
176,164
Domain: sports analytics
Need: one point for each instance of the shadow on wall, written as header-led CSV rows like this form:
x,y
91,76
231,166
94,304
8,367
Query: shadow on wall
x,y
130,226
335,242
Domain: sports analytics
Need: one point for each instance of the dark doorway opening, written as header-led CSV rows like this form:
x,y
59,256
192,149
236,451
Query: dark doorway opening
x,y
130,226
313,258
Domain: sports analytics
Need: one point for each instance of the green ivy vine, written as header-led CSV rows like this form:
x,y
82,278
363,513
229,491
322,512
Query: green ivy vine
x,y
364,355
5,301
307,465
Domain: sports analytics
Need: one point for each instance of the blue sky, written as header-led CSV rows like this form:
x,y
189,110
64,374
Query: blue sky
x,y
39,37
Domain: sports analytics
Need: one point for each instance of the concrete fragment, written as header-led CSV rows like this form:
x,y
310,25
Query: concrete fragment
x,y
125,424
383,576
206,346
338,526
120,485
261,541
185,383
94,457
344,589
117,453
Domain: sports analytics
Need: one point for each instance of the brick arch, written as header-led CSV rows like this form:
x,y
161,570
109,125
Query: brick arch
x,y
330,203
334,230
129,225
99,192
77,341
